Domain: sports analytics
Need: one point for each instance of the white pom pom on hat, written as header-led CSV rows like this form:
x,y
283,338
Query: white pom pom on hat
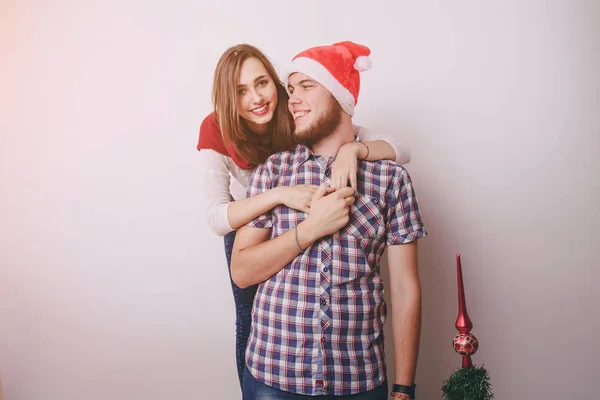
x,y
362,63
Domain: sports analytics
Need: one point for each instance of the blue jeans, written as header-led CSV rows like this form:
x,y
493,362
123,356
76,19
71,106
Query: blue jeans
x,y
243,299
256,390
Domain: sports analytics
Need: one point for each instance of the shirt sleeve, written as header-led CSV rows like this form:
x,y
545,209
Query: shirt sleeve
x,y
260,182
403,155
404,224
214,194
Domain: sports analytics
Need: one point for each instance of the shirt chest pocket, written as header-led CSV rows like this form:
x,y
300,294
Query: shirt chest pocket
x,y
366,218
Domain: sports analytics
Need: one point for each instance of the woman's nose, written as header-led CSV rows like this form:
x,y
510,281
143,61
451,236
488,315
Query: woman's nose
x,y
257,96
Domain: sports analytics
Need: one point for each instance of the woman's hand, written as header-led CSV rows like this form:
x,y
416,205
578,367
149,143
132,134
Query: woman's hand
x,y
345,167
297,197
330,211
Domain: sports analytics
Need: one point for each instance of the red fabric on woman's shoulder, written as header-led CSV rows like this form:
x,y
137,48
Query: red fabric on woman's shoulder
x,y
210,138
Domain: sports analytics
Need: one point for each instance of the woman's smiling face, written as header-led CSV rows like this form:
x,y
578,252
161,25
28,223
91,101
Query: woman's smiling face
x,y
257,95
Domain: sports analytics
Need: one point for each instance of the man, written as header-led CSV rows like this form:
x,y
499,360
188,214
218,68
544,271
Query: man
x,y
317,327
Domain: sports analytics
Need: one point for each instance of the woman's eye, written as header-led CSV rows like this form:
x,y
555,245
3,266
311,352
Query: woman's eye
x,y
262,83
241,92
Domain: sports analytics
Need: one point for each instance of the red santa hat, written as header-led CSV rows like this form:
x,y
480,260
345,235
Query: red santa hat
x,y
336,67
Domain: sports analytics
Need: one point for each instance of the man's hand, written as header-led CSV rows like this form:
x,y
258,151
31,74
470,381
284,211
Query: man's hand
x,y
329,211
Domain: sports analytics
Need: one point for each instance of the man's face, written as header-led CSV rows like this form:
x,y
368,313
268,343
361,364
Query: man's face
x,y
316,112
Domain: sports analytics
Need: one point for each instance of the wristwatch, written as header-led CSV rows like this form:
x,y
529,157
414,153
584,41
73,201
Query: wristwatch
x,y
409,390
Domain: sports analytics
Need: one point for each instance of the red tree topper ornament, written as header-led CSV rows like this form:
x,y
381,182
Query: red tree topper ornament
x,y
465,343
469,382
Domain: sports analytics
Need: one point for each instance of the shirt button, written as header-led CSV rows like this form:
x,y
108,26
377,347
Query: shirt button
x,y
323,303
323,340
327,172
325,269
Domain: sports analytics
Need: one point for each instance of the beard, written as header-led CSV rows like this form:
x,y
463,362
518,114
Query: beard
x,y
322,127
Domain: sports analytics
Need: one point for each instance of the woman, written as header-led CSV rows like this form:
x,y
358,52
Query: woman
x,y
250,122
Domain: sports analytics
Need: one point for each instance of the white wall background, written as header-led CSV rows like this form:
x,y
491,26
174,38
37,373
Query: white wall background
x,y
112,285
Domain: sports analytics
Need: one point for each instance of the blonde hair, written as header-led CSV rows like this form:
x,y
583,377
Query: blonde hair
x,y
234,130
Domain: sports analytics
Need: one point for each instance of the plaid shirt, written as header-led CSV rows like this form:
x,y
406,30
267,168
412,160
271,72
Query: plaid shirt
x,y
317,325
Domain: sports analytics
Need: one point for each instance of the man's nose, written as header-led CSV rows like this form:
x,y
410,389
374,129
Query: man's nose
x,y
294,99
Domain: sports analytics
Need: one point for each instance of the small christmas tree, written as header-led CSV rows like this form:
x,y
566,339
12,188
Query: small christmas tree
x,y
469,382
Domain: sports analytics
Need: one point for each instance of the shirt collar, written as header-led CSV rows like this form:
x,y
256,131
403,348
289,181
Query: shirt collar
x,y
305,153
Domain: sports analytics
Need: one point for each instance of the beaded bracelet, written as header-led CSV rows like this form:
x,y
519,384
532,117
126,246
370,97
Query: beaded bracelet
x,y
296,239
